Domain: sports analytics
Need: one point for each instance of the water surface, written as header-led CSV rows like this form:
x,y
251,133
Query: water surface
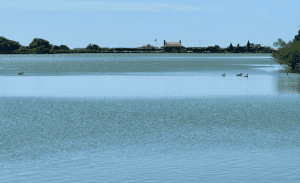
x,y
148,118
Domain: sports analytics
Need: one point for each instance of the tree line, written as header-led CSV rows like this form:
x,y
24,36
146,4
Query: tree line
x,y
288,53
37,46
41,46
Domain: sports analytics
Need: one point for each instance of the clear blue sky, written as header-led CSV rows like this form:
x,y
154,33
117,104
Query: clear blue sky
x,y
76,23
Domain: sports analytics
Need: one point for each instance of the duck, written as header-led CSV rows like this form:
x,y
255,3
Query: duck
x,y
21,73
224,74
239,74
246,76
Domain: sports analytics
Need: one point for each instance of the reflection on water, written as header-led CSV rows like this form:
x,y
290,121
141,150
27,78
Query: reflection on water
x,y
288,84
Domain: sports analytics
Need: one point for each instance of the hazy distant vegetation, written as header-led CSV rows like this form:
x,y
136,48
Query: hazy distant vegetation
x,y
41,46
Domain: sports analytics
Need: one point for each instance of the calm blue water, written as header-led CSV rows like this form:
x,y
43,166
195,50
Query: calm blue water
x,y
148,118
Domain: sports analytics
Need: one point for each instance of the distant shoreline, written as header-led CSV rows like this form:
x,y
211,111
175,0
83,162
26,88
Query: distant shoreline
x,y
126,52
41,46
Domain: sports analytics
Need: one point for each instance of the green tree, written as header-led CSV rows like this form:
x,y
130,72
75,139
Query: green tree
x,y
252,49
281,44
237,49
257,48
230,48
297,37
8,46
167,49
23,50
105,49
64,47
40,46
54,49
288,53
248,47
37,42
243,49
93,47
42,50
214,49
217,48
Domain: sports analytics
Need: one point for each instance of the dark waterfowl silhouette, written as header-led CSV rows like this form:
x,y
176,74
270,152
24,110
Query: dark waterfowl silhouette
x,y
21,73
239,74
224,74
246,76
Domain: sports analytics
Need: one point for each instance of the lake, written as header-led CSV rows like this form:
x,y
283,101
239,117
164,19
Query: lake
x,y
148,118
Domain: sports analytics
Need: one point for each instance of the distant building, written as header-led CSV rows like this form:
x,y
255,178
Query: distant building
x,y
172,44
148,45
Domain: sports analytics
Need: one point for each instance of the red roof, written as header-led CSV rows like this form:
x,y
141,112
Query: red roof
x,y
173,44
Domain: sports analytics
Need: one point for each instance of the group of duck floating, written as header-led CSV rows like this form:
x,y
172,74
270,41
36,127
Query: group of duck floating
x,y
240,74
